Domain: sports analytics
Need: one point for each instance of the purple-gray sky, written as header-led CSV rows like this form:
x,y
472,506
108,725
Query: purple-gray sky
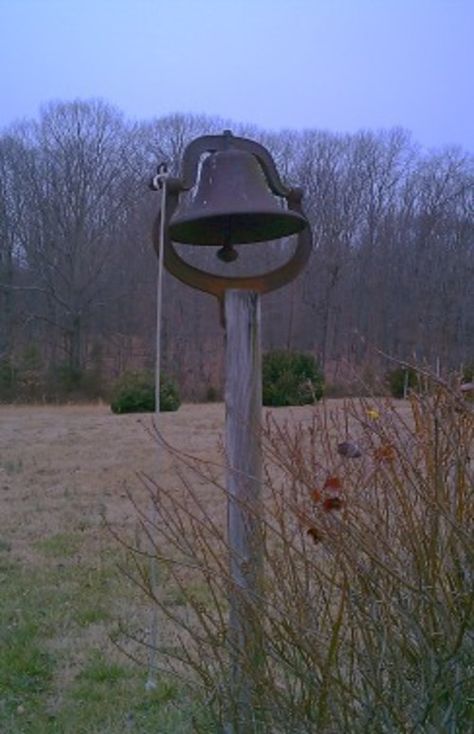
x,y
334,64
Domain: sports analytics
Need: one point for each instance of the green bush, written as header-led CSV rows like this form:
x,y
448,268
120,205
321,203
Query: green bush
x,y
169,395
291,378
134,392
212,394
468,373
399,377
468,377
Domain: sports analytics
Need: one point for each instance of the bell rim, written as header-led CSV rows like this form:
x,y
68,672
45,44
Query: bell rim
x,y
202,232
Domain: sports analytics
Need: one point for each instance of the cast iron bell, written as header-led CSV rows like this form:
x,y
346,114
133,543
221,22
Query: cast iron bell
x,y
233,205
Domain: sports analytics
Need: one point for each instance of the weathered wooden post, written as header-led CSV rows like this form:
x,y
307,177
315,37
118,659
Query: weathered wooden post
x,y
243,401
236,203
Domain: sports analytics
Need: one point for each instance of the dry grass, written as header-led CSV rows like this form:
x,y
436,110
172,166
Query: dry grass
x,y
62,469
332,578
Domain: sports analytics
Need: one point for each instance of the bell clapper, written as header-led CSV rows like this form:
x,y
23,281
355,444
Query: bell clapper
x,y
227,253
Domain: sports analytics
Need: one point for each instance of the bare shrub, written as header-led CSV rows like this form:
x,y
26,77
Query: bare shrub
x,y
365,621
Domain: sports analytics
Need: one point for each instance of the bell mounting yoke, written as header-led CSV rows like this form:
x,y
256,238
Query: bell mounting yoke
x,y
210,282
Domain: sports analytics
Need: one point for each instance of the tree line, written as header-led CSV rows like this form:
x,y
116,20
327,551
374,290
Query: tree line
x,y
391,271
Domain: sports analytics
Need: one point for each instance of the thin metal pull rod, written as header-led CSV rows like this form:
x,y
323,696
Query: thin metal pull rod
x,y
160,182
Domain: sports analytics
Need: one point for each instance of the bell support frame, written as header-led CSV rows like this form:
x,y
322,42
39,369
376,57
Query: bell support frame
x,y
211,283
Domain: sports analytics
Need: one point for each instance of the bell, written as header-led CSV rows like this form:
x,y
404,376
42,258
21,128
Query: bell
x,y
233,205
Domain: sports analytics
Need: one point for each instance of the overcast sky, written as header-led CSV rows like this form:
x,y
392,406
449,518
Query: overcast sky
x,y
340,65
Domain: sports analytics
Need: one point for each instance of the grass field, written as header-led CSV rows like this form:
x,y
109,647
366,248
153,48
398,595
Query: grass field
x,y
67,478
62,470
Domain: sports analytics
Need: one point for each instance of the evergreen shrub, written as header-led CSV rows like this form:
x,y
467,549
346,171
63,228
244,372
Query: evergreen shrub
x,y
134,392
468,379
398,377
291,378
468,373
212,394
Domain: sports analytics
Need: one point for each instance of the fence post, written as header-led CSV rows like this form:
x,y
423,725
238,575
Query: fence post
x,y
243,400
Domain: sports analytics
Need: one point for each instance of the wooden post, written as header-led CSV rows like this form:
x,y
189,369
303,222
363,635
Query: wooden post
x,y
243,399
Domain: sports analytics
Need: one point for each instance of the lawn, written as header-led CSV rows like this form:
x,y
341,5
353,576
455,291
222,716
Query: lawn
x,y
66,474
368,606
63,470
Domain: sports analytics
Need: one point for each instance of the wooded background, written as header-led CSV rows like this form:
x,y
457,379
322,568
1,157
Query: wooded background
x,y
391,271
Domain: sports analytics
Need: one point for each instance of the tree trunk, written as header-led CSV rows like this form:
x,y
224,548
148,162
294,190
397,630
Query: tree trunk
x,y
6,305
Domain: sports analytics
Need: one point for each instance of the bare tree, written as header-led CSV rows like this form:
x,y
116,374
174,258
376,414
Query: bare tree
x,y
12,212
392,266
80,191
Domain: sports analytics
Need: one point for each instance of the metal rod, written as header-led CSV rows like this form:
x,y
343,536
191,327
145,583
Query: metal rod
x,y
153,633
